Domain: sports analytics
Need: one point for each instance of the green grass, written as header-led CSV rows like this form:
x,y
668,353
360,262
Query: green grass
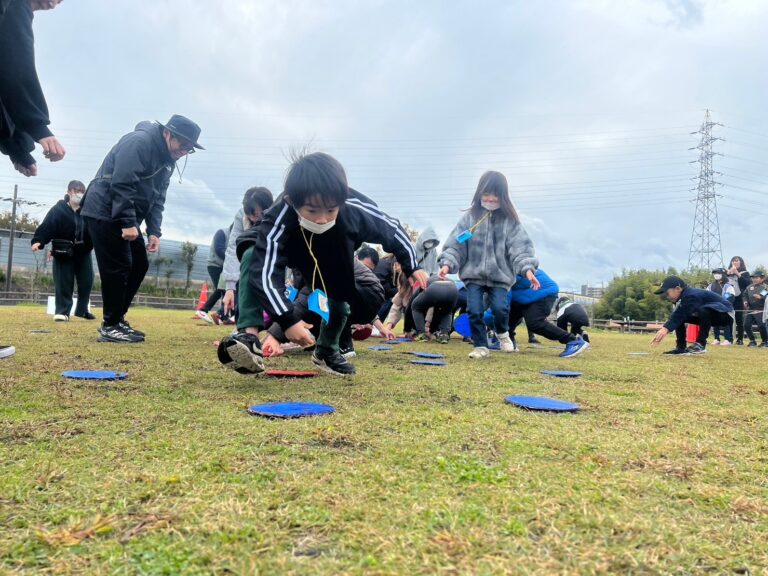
x,y
420,470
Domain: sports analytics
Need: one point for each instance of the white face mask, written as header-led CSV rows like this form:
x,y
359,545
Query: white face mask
x,y
75,198
718,276
490,206
313,227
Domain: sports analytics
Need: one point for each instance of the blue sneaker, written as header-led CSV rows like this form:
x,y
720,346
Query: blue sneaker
x,y
574,347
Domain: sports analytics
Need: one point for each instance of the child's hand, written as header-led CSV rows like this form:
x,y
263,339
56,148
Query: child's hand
x,y
299,334
419,279
271,347
228,301
387,332
443,271
659,336
535,284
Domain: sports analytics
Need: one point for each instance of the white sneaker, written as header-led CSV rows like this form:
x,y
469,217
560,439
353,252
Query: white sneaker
x,y
479,353
204,316
60,318
506,344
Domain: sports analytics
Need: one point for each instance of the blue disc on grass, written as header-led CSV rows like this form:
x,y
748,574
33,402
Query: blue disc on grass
x,y
429,363
390,342
561,373
290,409
461,325
425,354
542,404
94,374
403,339
379,348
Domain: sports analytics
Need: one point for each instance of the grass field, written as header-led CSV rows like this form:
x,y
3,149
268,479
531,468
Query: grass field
x,y
421,470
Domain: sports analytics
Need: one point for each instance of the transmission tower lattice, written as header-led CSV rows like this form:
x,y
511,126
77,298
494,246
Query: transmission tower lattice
x,y
706,251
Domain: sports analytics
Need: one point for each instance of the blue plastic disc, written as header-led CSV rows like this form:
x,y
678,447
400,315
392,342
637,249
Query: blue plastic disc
x,y
290,409
561,373
425,354
542,404
429,362
94,374
403,339
379,348
461,325
390,342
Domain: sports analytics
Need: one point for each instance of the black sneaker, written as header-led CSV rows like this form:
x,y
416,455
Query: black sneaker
x,y
442,338
739,342
695,349
537,341
752,344
348,351
86,316
242,353
675,351
334,364
118,335
763,345
127,327
585,336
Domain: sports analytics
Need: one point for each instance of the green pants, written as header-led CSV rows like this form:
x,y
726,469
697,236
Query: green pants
x,y
328,339
250,313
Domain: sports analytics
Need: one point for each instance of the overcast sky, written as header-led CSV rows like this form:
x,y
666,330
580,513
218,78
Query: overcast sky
x,y
586,106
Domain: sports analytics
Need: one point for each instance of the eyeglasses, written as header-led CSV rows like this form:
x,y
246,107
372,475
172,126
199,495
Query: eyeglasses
x,y
185,146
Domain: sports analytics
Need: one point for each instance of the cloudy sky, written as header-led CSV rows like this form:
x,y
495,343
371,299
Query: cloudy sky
x,y
586,106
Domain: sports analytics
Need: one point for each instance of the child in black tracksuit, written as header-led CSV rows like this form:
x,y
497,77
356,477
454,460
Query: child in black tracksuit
x,y
573,313
754,300
316,226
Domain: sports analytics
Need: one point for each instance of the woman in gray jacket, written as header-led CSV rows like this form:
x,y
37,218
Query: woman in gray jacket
x,y
488,247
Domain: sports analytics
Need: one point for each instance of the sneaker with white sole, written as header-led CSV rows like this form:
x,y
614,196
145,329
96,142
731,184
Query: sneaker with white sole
x,y
574,347
118,335
60,318
203,315
334,364
726,343
479,353
506,343
242,353
695,349
348,352
6,351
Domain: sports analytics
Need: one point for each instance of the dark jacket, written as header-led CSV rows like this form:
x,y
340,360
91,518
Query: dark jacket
x,y
23,110
754,296
385,272
691,301
63,223
131,184
279,244
368,299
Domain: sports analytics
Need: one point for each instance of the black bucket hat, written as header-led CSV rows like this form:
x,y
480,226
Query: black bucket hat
x,y
184,128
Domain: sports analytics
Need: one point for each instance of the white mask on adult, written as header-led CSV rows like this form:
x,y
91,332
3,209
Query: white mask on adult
x,y
314,227
490,206
75,199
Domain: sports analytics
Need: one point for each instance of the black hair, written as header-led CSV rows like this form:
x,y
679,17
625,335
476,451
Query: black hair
x,y
494,183
368,252
316,174
75,185
256,197
743,267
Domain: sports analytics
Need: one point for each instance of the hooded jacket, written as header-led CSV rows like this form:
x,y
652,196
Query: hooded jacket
x,y
131,183
498,250
231,273
427,257
691,301
218,249
63,223
279,243
522,293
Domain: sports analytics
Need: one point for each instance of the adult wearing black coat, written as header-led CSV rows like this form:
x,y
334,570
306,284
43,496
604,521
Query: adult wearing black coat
x,y
129,189
738,277
63,228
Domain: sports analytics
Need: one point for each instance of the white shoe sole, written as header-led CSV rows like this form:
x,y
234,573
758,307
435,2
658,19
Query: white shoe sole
x,y
8,351
244,358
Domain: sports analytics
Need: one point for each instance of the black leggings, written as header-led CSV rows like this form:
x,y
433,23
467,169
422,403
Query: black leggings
x,y
215,273
705,320
441,297
535,315
738,307
755,319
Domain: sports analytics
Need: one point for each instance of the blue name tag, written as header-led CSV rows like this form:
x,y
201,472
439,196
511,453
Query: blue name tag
x,y
291,293
464,236
318,303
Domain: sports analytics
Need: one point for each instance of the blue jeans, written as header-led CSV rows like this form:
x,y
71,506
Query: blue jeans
x,y
726,331
476,308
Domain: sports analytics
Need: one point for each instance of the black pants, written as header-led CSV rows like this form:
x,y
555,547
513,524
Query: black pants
x,y
738,307
441,297
705,320
577,318
215,273
122,267
752,320
65,272
535,315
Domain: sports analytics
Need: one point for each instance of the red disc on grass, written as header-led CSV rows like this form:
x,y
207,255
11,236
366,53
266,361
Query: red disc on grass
x,y
362,333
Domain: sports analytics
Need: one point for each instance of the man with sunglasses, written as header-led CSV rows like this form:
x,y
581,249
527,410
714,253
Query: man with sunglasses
x,y
129,189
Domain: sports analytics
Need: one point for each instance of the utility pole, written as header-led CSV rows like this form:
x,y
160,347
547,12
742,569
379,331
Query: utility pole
x,y
16,201
705,250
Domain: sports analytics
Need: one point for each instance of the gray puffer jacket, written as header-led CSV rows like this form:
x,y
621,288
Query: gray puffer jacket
x,y
498,250
426,257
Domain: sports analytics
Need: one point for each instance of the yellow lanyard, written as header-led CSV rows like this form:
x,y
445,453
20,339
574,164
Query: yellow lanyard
x,y
472,229
314,259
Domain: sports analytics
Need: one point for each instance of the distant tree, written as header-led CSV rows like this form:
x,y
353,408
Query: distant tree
x,y
188,253
24,222
168,273
413,234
